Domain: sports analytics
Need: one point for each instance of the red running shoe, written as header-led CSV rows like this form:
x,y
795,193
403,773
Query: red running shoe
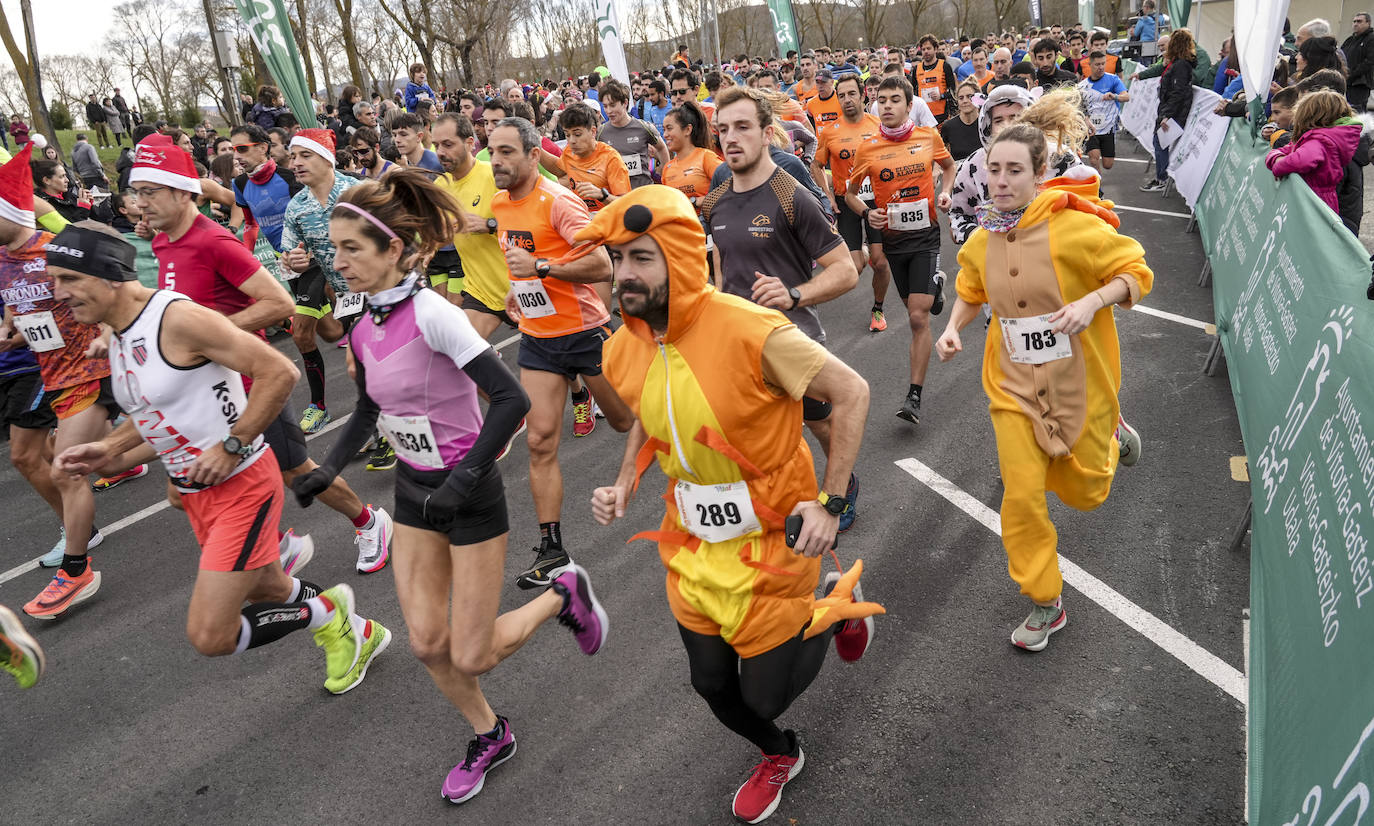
x,y
584,422
852,637
762,792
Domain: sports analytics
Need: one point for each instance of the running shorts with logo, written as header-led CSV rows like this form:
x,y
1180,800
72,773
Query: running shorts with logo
x,y
235,522
445,270
69,401
913,273
578,354
310,295
853,228
483,515
23,403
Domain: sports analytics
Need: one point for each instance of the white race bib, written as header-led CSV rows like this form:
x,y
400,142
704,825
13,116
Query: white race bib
x,y
634,164
532,298
349,304
1031,341
716,513
412,438
40,331
909,216
710,243
865,191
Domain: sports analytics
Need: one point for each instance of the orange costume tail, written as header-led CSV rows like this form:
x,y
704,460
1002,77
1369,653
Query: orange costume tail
x,y
839,604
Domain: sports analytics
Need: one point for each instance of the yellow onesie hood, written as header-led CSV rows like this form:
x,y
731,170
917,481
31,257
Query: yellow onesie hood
x,y
665,215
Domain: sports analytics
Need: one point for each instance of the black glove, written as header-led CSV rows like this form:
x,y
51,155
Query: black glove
x,y
309,485
443,502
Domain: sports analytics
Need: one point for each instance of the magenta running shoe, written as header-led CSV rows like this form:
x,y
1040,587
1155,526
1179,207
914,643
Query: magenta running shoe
x,y
581,611
485,753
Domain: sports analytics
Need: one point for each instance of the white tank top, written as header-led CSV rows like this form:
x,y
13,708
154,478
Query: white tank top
x,y
180,411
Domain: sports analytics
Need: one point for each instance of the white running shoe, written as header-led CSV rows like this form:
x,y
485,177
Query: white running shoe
x,y
374,543
296,552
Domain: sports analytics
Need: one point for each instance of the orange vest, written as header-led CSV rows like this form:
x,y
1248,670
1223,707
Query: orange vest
x,y
531,224
932,78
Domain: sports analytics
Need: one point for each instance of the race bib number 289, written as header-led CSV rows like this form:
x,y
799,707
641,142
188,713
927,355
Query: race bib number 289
x,y
716,513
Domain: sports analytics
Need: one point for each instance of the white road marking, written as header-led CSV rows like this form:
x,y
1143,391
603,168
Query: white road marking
x,y
1191,322
1132,160
508,342
156,507
1152,211
1173,642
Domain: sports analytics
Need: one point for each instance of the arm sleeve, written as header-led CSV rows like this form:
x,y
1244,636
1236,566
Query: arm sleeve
x,y
357,430
233,260
1154,70
965,198
508,405
1121,256
921,113
617,176
710,162
411,100
290,234
446,329
1294,158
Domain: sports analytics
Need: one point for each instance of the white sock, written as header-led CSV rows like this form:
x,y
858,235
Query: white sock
x,y
245,634
319,614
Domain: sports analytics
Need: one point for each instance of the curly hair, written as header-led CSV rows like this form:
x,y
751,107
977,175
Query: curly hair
x,y
1059,115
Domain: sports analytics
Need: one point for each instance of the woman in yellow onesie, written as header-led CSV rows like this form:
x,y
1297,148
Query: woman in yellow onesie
x,y
1050,265
716,384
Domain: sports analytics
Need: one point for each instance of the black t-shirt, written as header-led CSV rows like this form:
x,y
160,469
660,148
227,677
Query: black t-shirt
x,y
777,229
961,139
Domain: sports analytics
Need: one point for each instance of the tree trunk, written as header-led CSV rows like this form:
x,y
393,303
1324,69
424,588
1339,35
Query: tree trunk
x,y
303,44
27,67
350,42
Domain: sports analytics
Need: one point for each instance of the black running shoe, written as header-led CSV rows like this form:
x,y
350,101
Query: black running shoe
x,y
938,305
549,562
911,409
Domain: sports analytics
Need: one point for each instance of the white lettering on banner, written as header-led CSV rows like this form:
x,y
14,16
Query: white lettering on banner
x,y
634,164
1192,155
40,331
1031,341
909,216
716,513
533,299
349,304
265,30
1358,795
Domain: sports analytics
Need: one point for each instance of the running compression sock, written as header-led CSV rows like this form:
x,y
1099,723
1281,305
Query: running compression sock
x,y
74,565
916,391
314,374
264,622
302,590
364,520
551,533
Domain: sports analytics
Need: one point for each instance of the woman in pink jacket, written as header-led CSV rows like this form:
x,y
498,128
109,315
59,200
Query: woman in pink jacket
x,y
1325,135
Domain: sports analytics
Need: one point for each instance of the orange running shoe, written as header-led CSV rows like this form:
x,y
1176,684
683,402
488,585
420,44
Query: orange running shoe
x,y
119,478
877,323
63,592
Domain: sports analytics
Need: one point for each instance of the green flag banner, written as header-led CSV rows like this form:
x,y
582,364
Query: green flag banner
x,y
270,29
1087,14
784,26
1179,10
1289,286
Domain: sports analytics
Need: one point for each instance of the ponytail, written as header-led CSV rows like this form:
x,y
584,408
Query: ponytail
x,y
408,203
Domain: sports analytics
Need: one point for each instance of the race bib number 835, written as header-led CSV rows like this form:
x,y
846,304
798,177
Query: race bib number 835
x,y
908,217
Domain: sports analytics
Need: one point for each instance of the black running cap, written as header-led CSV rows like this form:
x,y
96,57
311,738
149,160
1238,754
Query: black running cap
x,y
91,252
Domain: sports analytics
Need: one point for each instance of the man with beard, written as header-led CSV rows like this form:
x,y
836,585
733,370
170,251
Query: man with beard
x,y
745,522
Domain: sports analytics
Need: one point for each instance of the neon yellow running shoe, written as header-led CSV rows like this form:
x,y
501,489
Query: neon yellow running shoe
x,y
20,653
341,646
375,640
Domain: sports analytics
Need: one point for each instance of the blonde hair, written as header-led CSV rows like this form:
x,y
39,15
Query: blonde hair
x,y
779,136
1058,115
1318,109
1028,136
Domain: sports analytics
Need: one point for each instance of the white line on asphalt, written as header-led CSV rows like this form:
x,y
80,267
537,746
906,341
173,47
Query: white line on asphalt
x,y
1133,160
1199,659
1181,319
1152,211
139,516
157,507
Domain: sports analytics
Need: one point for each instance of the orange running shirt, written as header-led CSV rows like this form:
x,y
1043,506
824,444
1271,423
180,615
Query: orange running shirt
x,y
836,145
544,223
603,169
690,172
824,112
803,93
903,178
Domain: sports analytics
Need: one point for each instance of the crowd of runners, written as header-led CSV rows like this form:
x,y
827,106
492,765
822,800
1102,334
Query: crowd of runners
x,y
662,264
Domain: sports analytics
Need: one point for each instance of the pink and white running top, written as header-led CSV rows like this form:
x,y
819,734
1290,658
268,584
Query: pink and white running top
x,y
413,370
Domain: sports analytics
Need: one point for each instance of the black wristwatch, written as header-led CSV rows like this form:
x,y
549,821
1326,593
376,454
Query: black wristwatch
x,y
796,297
233,444
866,211
491,226
542,267
833,504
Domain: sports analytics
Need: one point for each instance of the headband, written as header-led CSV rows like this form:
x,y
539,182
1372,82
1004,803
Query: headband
x,y
354,208
91,252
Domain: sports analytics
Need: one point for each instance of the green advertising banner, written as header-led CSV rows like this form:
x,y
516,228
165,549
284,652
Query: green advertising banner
x,y
1289,285
784,26
270,29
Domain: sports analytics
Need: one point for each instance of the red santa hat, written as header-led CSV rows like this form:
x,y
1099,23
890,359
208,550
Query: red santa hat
x,y
319,141
16,188
157,160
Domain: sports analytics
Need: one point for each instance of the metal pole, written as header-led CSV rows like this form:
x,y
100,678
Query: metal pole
x,y
231,102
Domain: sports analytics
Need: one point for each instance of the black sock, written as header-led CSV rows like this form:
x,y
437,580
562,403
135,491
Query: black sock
x,y
302,590
270,621
877,307
74,565
551,534
314,374
579,396
497,732
915,391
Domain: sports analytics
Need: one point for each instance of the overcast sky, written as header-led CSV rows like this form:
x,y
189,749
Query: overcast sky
x,y
63,26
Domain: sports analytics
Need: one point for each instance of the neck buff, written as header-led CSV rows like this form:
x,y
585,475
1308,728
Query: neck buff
x,y
898,134
381,304
994,220
264,173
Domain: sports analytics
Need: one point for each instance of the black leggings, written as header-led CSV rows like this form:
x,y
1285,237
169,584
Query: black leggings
x,y
747,695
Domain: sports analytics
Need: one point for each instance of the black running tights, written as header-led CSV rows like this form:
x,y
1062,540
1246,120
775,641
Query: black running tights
x,y
747,695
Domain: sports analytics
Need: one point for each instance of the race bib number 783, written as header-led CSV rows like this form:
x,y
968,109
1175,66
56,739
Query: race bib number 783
x,y
1031,341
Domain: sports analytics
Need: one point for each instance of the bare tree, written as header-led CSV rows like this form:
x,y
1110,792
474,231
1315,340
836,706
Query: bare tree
x,y
916,8
146,37
26,70
11,93
475,20
344,9
62,74
416,22
825,20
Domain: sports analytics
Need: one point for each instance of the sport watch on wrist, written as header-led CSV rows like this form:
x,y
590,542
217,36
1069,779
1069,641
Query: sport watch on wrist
x,y
833,504
542,267
234,445
795,295
491,226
